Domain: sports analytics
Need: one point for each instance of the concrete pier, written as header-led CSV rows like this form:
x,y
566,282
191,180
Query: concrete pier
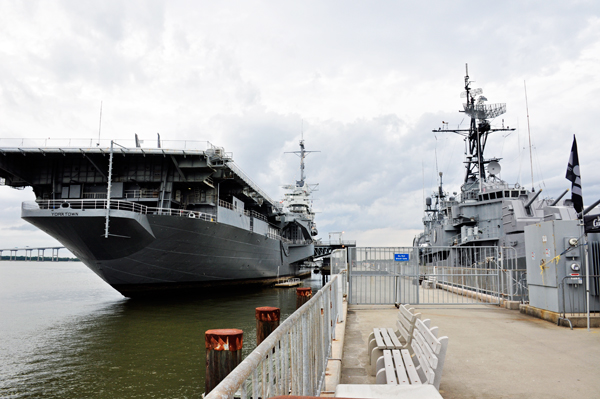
x,y
493,352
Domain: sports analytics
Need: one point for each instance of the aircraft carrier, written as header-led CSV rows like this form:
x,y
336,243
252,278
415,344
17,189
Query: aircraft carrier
x,y
178,217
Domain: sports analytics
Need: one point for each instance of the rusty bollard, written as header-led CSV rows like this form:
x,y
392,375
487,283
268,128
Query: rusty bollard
x,y
223,354
303,294
267,320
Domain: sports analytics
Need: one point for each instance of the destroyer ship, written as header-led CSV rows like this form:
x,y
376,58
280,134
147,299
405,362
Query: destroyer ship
x,y
177,218
488,211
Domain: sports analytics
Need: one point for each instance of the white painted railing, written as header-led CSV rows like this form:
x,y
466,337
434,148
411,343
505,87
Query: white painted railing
x,y
91,204
292,360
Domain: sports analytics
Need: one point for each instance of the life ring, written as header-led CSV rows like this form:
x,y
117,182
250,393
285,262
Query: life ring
x,y
192,215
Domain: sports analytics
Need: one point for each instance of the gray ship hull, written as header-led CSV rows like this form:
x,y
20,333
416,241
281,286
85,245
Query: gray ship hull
x,y
153,254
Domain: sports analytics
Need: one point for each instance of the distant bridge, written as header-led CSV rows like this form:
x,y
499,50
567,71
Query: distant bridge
x,y
29,253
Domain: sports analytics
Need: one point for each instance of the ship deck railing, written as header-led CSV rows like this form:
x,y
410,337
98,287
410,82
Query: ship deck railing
x,y
292,360
97,204
249,213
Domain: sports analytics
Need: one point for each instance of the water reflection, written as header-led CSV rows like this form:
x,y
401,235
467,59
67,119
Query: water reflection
x,y
66,334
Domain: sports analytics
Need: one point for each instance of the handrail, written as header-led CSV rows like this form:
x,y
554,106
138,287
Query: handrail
x,y
76,204
292,360
575,299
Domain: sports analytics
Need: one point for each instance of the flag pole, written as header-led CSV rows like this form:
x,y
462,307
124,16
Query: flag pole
x,y
587,271
574,175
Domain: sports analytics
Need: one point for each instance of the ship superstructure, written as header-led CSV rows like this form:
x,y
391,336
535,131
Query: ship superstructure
x,y
488,211
297,204
178,216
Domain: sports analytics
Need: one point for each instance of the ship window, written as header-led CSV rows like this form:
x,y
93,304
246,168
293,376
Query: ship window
x,y
486,196
506,194
514,194
492,195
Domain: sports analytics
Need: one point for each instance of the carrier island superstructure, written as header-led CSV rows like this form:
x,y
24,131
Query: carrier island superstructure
x,y
175,218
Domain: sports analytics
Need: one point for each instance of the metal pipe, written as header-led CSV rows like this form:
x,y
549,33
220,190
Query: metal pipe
x,y
559,197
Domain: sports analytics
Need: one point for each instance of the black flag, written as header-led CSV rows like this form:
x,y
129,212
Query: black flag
x,y
592,223
575,177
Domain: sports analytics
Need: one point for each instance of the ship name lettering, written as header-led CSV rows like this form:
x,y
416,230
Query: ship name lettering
x,y
65,213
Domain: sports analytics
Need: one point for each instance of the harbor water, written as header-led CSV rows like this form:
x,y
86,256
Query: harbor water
x,y
65,333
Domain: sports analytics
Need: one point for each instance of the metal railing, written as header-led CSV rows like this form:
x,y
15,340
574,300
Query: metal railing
x,y
513,280
94,195
574,297
249,213
431,275
487,233
292,360
256,215
105,143
98,204
337,242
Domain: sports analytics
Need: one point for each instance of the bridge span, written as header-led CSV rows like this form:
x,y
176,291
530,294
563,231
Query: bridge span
x,y
40,257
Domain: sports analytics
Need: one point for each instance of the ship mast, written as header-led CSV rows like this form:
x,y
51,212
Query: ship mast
x,y
479,129
302,154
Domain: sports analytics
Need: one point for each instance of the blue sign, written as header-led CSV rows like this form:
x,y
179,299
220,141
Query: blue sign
x,y
401,257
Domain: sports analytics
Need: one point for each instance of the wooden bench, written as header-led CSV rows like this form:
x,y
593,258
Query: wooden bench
x,y
398,367
386,338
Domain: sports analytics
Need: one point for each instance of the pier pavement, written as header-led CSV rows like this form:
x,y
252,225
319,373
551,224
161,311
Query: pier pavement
x,y
492,353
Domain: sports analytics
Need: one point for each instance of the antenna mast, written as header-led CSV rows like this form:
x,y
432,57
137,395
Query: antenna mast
x,y
302,154
100,124
529,132
477,134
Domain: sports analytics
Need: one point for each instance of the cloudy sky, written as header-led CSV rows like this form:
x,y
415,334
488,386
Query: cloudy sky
x,y
366,82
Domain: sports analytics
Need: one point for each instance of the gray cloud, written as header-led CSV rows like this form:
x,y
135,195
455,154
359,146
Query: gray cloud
x,y
367,83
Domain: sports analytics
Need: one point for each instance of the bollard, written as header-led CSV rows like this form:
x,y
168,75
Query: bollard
x,y
223,354
303,294
267,320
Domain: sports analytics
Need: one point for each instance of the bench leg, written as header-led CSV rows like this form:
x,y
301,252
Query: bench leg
x,y
381,377
375,354
372,344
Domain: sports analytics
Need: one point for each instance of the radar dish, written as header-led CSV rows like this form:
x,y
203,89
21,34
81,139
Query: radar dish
x,y
474,93
494,168
484,111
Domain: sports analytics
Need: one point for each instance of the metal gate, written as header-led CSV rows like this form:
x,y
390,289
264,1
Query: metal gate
x,y
425,275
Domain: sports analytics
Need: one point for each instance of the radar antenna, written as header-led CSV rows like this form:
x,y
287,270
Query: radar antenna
x,y
477,134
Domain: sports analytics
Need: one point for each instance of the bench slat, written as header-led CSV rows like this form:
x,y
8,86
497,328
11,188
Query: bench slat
x,y
428,335
395,341
389,368
402,377
413,377
378,338
431,358
403,331
423,363
386,338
